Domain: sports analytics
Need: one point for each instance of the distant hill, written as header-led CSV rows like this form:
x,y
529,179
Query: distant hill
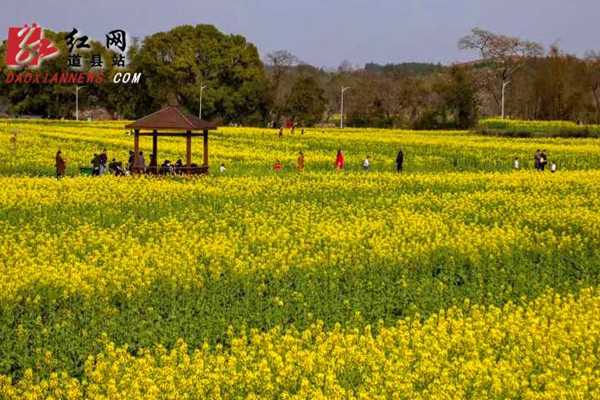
x,y
405,69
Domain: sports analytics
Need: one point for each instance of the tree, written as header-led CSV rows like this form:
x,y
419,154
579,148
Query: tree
x,y
305,103
279,64
345,67
559,88
172,64
280,61
404,69
499,47
503,53
55,100
459,92
177,62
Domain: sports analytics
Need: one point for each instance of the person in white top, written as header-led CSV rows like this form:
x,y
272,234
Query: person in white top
x,y
553,167
367,163
222,168
516,163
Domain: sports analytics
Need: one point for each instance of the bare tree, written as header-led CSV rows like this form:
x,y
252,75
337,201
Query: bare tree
x,y
499,47
508,52
280,61
345,67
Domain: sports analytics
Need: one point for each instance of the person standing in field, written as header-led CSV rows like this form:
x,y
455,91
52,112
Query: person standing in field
x,y
130,161
301,162
553,167
103,162
280,132
142,162
339,160
536,159
399,161
95,165
516,163
277,166
61,165
153,166
367,164
543,160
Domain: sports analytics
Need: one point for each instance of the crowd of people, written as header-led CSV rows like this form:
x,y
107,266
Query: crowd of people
x,y
339,162
101,166
540,162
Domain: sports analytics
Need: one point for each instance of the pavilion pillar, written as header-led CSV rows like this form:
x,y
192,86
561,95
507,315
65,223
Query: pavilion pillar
x,y
136,152
155,149
205,147
189,152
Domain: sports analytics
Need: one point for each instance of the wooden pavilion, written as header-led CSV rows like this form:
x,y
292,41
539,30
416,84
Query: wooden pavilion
x,y
171,121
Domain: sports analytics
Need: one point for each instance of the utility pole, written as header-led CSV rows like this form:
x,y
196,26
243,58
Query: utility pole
x,y
342,107
77,101
200,110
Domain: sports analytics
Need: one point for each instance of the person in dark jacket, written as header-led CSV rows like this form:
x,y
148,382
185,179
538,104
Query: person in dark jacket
x,y
178,167
95,165
543,160
166,168
61,165
130,161
115,168
399,161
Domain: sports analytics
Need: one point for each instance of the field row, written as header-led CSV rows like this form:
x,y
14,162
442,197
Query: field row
x,y
148,261
547,348
253,151
559,128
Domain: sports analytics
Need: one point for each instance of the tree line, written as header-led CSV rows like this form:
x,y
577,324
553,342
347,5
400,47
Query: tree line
x,y
243,88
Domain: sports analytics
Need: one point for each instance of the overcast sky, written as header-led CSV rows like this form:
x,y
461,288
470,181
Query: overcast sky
x,y
325,32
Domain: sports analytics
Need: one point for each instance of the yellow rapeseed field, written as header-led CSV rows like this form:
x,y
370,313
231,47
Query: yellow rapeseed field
x,y
254,150
459,278
547,349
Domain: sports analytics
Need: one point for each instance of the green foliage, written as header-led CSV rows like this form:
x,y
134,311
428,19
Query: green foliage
x,y
520,128
360,275
432,119
178,62
305,103
459,93
405,69
58,100
151,260
173,65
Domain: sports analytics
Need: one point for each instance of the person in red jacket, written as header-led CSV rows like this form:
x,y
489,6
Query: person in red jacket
x,y
277,166
339,160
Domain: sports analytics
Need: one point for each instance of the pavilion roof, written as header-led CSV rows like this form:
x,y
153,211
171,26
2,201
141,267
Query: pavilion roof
x,y
172,118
